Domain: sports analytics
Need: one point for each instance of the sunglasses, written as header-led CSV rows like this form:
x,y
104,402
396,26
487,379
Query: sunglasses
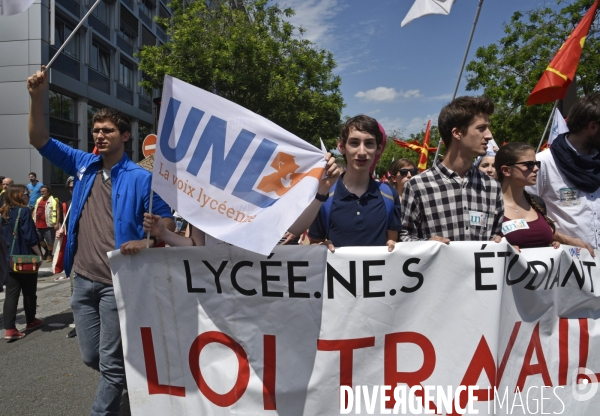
x,y
104,131
405,172
529,164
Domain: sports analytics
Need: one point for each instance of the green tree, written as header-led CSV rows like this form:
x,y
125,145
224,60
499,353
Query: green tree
x,y
251,56
507,71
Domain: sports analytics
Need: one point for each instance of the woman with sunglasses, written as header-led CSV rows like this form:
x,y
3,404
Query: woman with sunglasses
x,y
17,216
525,224
400,172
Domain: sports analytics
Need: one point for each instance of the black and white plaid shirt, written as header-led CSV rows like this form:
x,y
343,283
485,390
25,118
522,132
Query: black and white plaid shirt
x,y
440,202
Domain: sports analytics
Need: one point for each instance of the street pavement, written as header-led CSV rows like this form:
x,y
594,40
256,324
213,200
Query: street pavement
x,y
42,374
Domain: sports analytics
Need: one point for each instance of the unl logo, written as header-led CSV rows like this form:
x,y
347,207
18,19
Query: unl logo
x,y
223,167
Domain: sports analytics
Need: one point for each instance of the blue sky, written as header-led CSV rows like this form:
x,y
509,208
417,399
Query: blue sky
x,y
401,76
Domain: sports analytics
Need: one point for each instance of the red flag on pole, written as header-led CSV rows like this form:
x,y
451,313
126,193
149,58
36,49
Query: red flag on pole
x,y
425,149
422,149
560,73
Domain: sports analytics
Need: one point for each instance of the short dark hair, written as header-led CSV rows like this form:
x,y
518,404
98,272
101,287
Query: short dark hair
x,y
364,124
32,173
460,112
47,187
118,118
585,110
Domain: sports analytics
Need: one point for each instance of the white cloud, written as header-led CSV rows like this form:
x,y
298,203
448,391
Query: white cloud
x,y
418,124
386,94
315,16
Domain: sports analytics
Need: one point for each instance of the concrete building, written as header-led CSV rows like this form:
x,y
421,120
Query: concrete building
x,y
97,69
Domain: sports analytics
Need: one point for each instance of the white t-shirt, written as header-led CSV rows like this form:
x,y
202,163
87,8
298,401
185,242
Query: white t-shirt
x,y
575,212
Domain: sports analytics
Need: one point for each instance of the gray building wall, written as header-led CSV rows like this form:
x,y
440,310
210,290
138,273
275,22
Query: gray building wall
x,y
25,46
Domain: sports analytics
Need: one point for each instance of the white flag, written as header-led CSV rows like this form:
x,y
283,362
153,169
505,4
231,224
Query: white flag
x,y
422,8
231,173
9,7
559,126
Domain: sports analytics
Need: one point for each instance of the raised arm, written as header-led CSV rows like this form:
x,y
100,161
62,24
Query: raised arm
x,y
37,85
332,172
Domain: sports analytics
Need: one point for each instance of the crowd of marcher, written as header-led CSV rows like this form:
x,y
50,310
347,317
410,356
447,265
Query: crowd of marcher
x,y
533,200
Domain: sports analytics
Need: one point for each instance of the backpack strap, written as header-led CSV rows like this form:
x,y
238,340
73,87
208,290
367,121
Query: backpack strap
x,y
12,247
325,210
388,199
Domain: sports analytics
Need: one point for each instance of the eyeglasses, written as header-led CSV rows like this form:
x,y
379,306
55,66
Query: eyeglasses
x,y
405,172
105,131
529,164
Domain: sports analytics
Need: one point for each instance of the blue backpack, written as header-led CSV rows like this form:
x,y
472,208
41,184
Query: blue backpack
x,y
386,193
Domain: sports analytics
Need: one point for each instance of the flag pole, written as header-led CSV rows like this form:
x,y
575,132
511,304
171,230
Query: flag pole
x,y
462,67
71,35
150,211
547,125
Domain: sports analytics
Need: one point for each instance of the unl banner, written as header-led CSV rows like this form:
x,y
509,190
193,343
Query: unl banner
x,y
230,172
465,328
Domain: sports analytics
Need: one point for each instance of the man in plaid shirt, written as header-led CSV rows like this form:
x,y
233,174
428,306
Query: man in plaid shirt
x,y
454,201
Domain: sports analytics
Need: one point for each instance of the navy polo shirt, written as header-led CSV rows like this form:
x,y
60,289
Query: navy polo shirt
x,y
355,221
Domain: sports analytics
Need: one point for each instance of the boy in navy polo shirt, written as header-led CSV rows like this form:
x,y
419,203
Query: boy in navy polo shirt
x,y
358,213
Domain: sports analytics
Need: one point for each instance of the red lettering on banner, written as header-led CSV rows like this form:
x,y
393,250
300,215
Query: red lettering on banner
x,y
346,348
509,347
154,387
584,345
529,369
243,377
392,377
269,372
482,360
563,351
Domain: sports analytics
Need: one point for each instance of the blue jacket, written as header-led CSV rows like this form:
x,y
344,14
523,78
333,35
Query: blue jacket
x,y
130,193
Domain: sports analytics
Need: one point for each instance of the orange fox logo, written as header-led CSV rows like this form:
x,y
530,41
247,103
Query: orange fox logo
x,y
286,167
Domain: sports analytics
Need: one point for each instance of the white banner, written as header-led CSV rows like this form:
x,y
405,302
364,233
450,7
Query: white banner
x,y
222,331
230,172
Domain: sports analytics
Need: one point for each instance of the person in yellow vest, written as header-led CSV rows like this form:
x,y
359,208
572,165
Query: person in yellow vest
x,y
47,220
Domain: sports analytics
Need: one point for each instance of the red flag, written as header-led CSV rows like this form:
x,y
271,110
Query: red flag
x,y
424,150
96,151
560,73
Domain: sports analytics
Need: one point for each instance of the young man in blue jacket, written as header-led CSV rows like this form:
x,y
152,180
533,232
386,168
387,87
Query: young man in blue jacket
x,y
110,196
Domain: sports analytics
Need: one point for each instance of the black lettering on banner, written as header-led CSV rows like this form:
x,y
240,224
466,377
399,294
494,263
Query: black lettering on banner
x,y
367,278
234,282
530,285
556,280
479,271
589,265
350,286
188,280
580,277
409,273
265,278
512,262
216,273
293,279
